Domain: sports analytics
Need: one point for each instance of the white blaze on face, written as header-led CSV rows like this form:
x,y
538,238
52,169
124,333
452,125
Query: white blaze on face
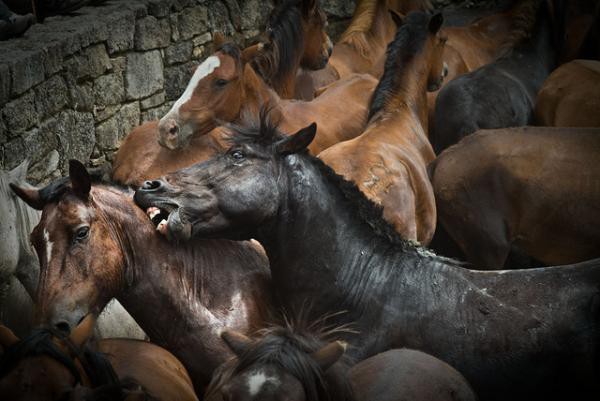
x,y
48,245
204,69
255,382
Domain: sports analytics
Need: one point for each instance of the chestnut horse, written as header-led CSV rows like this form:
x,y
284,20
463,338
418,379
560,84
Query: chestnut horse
x,y
306,363
361,48
535,188
341,110
95,244
515,334
48,366
570,97
389,160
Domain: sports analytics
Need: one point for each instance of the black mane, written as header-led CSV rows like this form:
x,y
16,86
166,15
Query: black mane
x,y
95,364
283,50
288,347
266,132
408,42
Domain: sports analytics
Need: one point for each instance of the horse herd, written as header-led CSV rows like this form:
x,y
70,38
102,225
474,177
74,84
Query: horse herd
x,y
269,233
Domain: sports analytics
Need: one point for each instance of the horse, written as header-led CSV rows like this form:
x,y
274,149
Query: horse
x,y
20,268
342,109
361,48
515,334
49,366
18,264
304,363
570,97
488,209
389,160
95,244
500,94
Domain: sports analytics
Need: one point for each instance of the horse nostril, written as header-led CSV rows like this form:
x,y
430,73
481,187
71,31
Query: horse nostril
x,y
63,326
174,130
152,185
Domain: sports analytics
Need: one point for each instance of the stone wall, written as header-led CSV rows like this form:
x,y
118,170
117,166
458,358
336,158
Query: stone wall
x,y
74,86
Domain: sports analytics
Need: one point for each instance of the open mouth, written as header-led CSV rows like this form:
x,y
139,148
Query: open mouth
x,y
160,216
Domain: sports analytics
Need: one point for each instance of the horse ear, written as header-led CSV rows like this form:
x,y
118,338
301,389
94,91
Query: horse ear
x,y
397,17
237,342
29,195
218,39
19,173
329,354
251,51
435,23
83,331
7,337
297,142
81,182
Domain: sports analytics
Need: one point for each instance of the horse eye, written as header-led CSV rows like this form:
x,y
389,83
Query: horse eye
x,y
221,82
237,155
82,233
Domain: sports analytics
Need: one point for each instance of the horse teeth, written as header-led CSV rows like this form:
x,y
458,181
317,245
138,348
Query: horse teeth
x,y
162,227
152,212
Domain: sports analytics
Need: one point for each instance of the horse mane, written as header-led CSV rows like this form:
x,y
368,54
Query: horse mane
x,y
361,24
97,367
288,346
524,16
265,132
408,42
283,50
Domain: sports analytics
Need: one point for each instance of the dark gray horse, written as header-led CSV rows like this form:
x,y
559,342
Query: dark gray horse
x,y
521,334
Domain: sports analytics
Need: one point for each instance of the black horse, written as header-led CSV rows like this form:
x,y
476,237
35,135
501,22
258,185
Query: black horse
x,y
498,95
520,334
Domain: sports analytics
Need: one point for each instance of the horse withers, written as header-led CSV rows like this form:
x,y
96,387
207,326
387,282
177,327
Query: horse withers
x,y
515,334
50,366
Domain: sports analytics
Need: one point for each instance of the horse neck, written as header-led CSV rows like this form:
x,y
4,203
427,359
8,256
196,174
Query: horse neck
x,y
317,237
257,94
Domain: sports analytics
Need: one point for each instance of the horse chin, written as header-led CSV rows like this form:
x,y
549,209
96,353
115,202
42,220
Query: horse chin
x,y
176,229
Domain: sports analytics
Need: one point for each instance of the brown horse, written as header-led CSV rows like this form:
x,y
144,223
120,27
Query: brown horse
x,y
304,363
570,96
388,161
537,189
341,112
361,48
95,244
49,366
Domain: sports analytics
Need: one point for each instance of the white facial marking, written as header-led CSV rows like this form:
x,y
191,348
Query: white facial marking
x,y
255,382
207,67
48,245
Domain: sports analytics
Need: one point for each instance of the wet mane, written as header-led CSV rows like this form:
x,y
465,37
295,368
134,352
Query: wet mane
x,y
361,24
283,50
96,366
288,347
408,42
266,132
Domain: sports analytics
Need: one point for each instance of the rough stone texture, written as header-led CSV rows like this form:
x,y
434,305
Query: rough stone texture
x,y
151,33
109,89
144,74
75,85
178,52
20,114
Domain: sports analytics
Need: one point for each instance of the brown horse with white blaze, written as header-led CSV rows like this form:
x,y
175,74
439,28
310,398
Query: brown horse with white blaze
x,y
49,366
388,161
95,244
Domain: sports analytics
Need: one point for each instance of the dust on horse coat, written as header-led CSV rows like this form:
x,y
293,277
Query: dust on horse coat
x,y
534,188
95,244
388,161
498,95
518,334
49,366
308,364
570,97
